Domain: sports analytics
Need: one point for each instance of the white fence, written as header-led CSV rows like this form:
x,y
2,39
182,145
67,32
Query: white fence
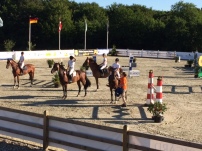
x,y
72,135
41,54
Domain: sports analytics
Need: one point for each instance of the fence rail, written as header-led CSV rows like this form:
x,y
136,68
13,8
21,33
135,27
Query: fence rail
x,y
75,135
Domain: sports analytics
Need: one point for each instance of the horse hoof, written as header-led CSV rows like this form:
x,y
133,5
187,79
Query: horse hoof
x,y
111,102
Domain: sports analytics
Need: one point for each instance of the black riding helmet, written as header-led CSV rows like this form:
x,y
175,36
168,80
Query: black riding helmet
x,y
71,57
117,59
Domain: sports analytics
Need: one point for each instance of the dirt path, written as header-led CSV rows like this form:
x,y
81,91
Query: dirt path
x,y
181,92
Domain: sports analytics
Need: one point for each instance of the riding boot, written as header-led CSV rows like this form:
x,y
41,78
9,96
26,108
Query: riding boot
x,y
21,71
102,73
108,81
70,78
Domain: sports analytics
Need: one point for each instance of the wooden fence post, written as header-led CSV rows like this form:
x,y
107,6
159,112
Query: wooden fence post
x,y
125,138
45,131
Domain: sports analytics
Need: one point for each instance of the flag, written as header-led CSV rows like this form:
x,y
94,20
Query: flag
x,y
60,26
33,20
1,22
86,26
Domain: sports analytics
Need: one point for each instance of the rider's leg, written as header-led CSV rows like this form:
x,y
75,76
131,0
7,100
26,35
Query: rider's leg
x,y
70,74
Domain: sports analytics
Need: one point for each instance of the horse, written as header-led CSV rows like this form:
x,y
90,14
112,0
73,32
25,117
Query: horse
x,y
89,62
80,77
28,68
113,84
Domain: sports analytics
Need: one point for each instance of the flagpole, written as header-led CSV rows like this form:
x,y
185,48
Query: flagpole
x,y
107,33
29,36
59,39
85,34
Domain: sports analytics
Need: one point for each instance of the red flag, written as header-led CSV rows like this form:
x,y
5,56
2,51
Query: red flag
x,y
60,26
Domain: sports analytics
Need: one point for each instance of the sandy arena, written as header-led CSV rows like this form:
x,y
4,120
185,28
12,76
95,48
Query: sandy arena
x,y
181,92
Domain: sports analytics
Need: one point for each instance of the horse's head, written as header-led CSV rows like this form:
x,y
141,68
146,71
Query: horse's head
x,y
8,63
56,67
86,63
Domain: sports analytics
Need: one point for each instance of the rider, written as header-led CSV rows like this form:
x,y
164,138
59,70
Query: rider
x,y
103,64
71,64
21,62
116,67
94,57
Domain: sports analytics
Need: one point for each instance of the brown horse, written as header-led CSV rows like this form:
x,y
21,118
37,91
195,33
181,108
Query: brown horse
x,y
28,68
89,62
80,77
113,84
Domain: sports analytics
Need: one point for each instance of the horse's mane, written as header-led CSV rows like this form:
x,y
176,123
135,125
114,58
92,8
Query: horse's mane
x,y
10,59
62,66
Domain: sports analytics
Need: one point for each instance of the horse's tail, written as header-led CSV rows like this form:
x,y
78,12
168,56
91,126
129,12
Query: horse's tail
x,y
88,83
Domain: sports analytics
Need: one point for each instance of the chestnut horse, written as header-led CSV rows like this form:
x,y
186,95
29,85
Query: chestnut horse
x,y
80,77
28,68
89,62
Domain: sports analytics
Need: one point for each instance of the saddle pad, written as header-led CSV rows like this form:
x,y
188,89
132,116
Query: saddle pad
x,y
74,73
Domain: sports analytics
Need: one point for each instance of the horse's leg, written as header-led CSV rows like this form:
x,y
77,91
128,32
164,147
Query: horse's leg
x,y
18,78
65,93
96,80
111,90
14,82
63,90
79,86
30,78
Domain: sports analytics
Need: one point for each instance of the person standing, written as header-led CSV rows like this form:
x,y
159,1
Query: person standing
x,y
21,62
103,64
123,85
95,57
71,64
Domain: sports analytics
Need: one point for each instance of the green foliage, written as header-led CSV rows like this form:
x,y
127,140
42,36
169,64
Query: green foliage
x,y
113,51
82,68
190,62
157,108
56,80
8,45
32,46
50,62
130,27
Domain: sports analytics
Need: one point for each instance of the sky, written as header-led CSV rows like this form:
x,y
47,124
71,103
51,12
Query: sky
x,y
162,5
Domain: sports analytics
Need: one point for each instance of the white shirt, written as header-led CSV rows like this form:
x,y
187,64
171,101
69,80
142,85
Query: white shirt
x,y
116,65
71,63
21,59
104,61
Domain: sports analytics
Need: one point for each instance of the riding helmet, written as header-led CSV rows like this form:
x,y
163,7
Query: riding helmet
x,y
117,59
71,57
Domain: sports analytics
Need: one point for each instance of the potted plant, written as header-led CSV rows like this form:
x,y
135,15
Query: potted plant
x,y
177,59
189,63
157,109
56,80
50,63
134,64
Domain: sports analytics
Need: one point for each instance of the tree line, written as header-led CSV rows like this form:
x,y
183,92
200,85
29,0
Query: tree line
x,y
129,27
